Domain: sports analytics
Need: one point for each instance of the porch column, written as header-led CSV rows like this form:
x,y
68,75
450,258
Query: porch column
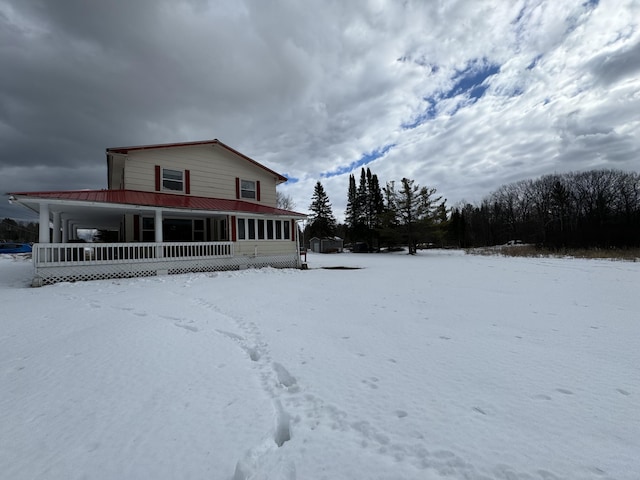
x,y
43,234
56,227
158,226
65,230
158,231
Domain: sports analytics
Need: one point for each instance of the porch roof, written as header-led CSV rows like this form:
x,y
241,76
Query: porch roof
x,y
108,205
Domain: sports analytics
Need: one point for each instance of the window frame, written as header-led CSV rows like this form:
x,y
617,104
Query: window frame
x,y
247,191
251,229
164,179
242,233
270,230
263,229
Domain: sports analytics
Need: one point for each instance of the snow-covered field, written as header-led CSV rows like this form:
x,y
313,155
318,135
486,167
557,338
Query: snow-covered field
x,y
442,365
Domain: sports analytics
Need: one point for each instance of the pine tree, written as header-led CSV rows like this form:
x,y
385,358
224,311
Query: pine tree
x,y
361,198
416,210
373,209
456,228
351,213
365,205
389,232
376,202
323,223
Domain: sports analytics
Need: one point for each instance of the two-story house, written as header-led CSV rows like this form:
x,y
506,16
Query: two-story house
x,y
174,208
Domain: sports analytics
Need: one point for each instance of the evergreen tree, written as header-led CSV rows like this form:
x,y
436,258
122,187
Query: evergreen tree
x,y
376,202
388,230
323,223
361,198
416,210
365,205
456,229
373,210
351,213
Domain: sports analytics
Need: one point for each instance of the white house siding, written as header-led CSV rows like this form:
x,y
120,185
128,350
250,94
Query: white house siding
x,y
265,247
115,179
213,171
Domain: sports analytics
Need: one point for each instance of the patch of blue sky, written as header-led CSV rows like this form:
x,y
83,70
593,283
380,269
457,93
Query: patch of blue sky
x,y
534,62
428,114
290,179
365,159
470,82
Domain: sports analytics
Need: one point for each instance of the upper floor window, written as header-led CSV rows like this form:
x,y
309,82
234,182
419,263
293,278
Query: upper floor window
x,y
172,180
247,189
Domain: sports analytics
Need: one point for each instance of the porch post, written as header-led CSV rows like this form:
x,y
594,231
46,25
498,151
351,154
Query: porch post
x,y
43,234
158,231
158,226
56,227
65,230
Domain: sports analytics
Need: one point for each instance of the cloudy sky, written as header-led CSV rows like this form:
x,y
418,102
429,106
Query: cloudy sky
x,y
460,95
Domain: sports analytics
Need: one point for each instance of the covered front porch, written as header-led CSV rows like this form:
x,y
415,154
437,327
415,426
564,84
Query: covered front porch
x,y
151,240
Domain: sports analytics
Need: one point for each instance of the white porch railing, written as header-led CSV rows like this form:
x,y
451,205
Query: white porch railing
x,y
61,254
72,262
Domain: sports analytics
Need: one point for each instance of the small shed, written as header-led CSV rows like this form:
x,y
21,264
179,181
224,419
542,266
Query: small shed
x,y
326,244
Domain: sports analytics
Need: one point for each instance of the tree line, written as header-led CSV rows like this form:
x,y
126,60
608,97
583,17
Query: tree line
x,y
592,209
18,232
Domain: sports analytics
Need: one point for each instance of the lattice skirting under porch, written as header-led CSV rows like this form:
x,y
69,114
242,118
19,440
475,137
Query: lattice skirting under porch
x,y
48,275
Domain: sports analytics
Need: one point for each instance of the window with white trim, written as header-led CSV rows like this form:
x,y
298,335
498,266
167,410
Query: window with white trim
x,y
269,229
247,189
241,230
172,180
263,229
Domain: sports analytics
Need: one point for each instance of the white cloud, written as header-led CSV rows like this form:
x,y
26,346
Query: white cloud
x,y
310,88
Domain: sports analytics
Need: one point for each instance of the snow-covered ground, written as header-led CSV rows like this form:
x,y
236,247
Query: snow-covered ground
x,y
441,365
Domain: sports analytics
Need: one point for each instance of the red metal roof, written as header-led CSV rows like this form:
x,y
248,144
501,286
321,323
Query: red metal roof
x,y
126,150
153,199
